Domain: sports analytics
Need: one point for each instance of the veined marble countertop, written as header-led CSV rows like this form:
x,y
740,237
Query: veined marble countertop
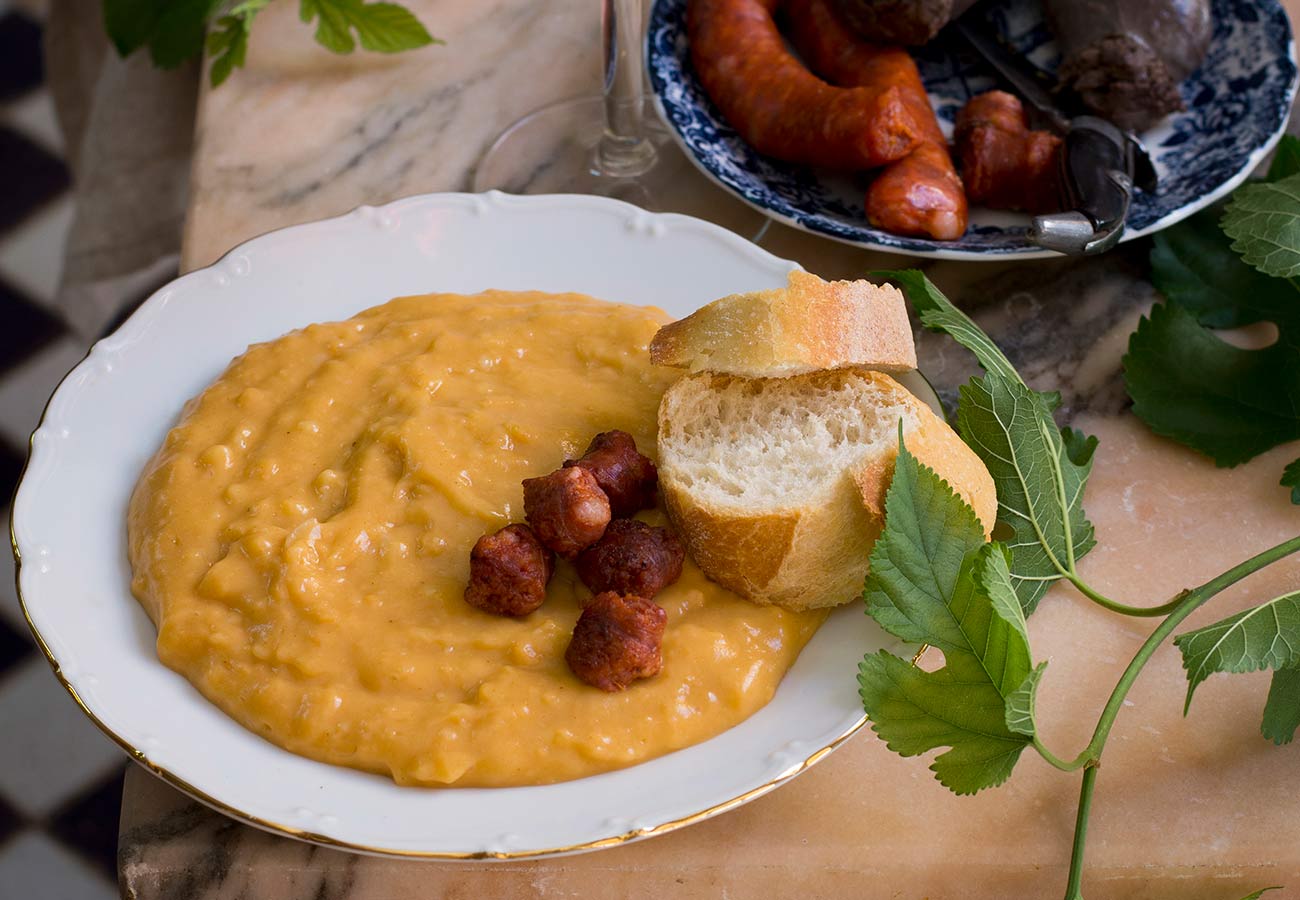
x,y
1185,807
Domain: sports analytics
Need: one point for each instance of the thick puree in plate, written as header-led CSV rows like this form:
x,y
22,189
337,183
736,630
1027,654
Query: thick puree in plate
x,y
302,541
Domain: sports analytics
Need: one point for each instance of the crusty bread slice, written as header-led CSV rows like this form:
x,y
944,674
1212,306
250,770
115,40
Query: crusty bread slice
x,y
777,485
810,324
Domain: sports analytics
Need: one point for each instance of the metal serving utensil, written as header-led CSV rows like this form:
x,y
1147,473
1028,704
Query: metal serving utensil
x,y
1100,165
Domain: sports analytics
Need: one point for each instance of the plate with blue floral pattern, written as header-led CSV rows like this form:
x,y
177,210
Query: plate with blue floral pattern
x,y
1237,104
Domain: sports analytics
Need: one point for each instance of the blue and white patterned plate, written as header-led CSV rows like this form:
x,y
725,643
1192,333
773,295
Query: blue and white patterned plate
x,y
1237,107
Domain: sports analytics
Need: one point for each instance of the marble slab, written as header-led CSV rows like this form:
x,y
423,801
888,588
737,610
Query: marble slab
x,y
1185,807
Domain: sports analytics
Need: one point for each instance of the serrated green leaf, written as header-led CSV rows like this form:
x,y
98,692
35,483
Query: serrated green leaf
x,y
1228,403
1265,637
1040,471
1194,266
963,705
914,564
173,30
129,23
382,27
228,41
1022,701
1291,479
1039,484
1282,708
1286,159
1079,447
937,313
1263,220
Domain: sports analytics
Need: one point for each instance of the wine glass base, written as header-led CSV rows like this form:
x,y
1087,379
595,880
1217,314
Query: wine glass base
x,y
554,151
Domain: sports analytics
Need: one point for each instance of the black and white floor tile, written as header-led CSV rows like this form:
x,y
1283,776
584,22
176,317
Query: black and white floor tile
x,y
60,779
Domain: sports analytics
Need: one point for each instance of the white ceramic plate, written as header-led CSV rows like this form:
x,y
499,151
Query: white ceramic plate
x,y
112,411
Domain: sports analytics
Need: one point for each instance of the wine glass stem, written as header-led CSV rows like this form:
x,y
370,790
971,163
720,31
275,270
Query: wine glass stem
x,y
623,150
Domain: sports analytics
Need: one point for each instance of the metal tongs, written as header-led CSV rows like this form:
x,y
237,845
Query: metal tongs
x,y
1100,164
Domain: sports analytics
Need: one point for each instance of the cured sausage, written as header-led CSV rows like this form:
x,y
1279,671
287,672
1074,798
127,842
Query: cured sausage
x,y
508,572
616,641
921,193
567,510
632,558
628,478
1006,165
909,22
781,108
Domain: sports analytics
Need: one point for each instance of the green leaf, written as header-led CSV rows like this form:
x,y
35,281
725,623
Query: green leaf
x,y
1291,479
382,27
173,30
1282,709
928,531
937,313
1079,447
1039,483
1228,403
1265,637
1263,220
1259,893
228,42
1194,266
1040,472
962,706
1186,384
1021,704
1286,159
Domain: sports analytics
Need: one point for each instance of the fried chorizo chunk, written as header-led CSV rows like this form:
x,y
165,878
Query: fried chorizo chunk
x,y
626,476
508,572
567,509
616,641
1004,164
632,558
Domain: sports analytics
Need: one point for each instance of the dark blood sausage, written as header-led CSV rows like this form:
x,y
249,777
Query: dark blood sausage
x,y
632,558
781,108
508,572
909,22
567,510
616,641
920,194
1124,58
1004,164
627,478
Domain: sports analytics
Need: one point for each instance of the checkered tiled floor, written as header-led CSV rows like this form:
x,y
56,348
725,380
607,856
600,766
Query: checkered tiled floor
x,y
60,780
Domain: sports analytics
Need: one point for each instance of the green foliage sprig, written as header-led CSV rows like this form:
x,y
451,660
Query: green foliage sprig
x,y
1223,270
934,580
177,30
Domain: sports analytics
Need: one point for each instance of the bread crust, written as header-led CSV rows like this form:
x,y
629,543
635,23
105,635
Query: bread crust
x,y
808,325
815,555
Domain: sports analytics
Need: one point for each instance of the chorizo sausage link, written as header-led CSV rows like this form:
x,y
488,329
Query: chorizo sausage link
x,y
920,194
778,106
1004,164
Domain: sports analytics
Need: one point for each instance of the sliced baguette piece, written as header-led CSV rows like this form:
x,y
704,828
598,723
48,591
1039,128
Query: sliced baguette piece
x,y
777,485
810,324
